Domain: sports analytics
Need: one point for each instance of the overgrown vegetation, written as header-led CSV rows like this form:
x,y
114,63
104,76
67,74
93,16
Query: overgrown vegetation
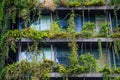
x,y
77,3
27,70
11,11
88,30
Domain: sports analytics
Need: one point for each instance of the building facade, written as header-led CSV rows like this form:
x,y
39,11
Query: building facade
x,y
101,41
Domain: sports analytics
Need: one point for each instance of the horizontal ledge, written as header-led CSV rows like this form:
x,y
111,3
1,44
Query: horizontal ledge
x,y
105,7
85,75
69,40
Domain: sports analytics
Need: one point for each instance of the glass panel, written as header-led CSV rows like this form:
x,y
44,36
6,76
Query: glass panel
x,y
46,53
45,23
21,25
103,59
78,23
99,21
86,19
35,25
63,23
42,24
117,60
92,19
62,56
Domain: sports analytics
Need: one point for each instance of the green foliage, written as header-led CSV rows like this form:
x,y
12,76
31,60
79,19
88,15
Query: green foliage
x,y
26,70
56,33
117,70
74,3
105,29
116,35
115,2
94,2
55,27
89,26
88,61
59,68
73,57
86,34
73,45
116,45
33,34
88,30
77,70
77,3
116,78
106,70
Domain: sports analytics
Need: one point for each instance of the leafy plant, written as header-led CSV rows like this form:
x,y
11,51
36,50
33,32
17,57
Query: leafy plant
x,y
106,70
73,57
116,35
115,2
89,26
26,70
75,3
116,78
88,30
117,70
94,2
86,34
105,29
88,61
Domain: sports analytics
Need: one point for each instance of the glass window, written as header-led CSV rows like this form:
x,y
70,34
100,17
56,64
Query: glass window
x,y
117,60
62,56
99,21
42,24
63,23
78,24
21,25
103,59
45,53
45,23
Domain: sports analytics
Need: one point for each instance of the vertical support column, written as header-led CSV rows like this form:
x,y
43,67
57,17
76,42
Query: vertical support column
x,y
19,50
55,53
109,57
51,18
113,56
82,45
110,23
83,16
51,51
91,46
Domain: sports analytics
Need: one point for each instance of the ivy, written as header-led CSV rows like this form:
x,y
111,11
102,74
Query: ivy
x,y
88,30
105,29
73,45
88,61
26,70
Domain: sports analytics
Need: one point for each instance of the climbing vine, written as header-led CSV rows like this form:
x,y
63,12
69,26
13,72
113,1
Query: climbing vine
x,y
12,11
